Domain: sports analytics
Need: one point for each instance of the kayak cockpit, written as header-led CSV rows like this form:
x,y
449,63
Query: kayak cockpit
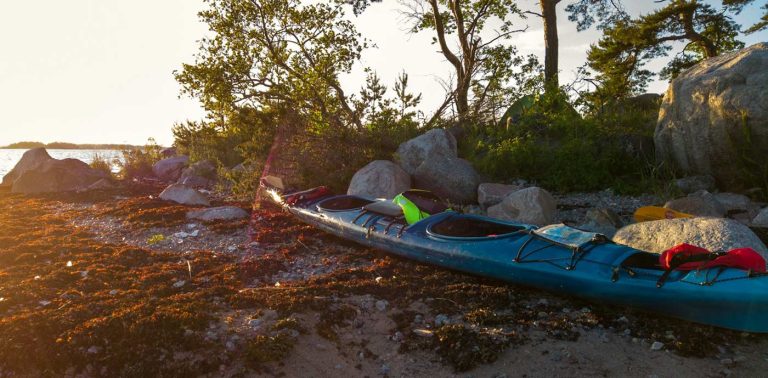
x,y
460,226
343,203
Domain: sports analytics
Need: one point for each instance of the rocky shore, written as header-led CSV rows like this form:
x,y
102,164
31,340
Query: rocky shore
x,y
119,282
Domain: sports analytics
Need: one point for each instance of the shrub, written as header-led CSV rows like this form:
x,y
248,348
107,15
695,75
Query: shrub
x,y
138,162
101,163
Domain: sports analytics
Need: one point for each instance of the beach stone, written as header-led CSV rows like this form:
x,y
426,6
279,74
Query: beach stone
x,y
168,152
450,178
202,168
532,205
761,219
184,195
412,153
603,221
489,194
657,345
693,184
379,179
221,213
382,305
170,169
441,320
703,205
714,234
57,176
734,202
701,120
31,159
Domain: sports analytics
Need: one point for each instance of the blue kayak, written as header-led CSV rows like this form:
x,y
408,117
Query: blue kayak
x,y
556,258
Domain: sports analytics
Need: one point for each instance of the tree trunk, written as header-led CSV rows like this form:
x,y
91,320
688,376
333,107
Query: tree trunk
x,y
549,15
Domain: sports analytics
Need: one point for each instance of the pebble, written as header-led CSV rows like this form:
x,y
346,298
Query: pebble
x,y
232,248
382,305
542,314
726,362
44,303
384,369
543,302
255,323
623,319
441,320
113,291
379,279
739,359
179,283
566,310
69,264
657,345
418,319
230,346
93,349
423,332
398,337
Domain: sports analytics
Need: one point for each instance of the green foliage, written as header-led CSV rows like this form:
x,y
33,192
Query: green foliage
x,y
138,162
627,44
555,147
751,157
101,163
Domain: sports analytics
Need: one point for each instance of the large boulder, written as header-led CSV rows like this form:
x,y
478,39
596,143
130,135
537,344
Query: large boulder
x,y
57,176
489,194
714,234
702,205
170,169
448,177
221,213
411,154
692,184
761,219
31,159
708,109
532,205
184,195
199,175
379,179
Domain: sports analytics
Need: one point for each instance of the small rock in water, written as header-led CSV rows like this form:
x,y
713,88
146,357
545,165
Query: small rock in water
x,y
441,320
44,303
739,359
382,305
93,350
69,264
379,279
179,283
418,319
113,292
398,337
657,345
255,323
232,248
543,302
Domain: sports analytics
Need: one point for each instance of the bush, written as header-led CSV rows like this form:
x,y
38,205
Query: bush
x,y
557,148
101,163
138,162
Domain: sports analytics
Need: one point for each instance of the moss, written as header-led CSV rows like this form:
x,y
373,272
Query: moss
x,y
466,348
263,349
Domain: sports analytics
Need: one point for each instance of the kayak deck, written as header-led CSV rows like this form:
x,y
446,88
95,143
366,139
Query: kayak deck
x,y
597,270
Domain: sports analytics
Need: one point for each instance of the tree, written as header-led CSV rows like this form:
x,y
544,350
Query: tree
x,y
476,45
627,44
274,52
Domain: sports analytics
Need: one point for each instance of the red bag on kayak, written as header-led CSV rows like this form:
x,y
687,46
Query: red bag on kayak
x,y
689,257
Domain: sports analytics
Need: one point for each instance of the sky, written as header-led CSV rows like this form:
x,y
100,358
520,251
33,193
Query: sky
x,y
101,71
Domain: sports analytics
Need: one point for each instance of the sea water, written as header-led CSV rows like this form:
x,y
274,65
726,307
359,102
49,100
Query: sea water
x,y
9,157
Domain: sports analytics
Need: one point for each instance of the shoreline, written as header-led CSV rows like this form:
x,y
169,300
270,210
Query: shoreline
x,y
80,278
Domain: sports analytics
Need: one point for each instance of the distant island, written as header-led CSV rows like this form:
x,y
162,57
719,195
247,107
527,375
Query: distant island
x,y
69,146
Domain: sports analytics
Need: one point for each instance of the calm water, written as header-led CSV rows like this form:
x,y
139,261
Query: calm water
x,y
9,158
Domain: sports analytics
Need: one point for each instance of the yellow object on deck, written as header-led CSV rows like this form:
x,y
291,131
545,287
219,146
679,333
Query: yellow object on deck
x,y
652,213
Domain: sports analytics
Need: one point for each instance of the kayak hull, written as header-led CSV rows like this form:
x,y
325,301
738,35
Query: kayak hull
x,y
728,298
